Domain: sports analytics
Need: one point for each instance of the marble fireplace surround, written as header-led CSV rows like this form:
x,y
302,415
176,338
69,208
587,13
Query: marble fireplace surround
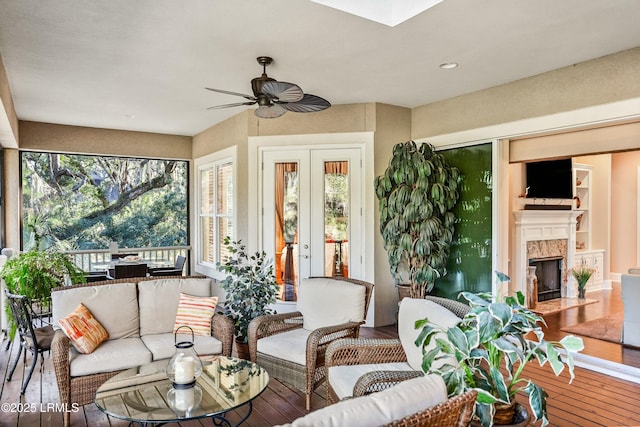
x,y
540,234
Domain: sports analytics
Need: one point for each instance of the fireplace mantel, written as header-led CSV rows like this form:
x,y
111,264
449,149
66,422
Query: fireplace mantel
x,y
532,225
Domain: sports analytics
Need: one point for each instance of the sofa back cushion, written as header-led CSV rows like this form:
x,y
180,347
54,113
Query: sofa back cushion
x,y
159,301
115,306
325,301
417,309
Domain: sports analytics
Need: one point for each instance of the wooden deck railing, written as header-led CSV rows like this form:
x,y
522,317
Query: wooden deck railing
x,y
87,260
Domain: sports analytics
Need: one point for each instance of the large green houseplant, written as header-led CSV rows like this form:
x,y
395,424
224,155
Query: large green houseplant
x,y
35,273
416,195
250,286
491,346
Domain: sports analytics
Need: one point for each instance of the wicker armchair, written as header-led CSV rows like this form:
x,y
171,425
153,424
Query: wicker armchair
x,y
311,373
81,389
362,351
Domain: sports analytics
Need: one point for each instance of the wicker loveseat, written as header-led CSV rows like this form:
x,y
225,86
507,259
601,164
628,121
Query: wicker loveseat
x,y
139,315
357,367
417,402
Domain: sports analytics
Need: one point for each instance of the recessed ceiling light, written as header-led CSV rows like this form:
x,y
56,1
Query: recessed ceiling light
x,y
130,116
449,65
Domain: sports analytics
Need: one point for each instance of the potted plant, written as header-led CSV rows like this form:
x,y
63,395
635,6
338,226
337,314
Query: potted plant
x,y
35,273
416,195
250,288
582,274
491,346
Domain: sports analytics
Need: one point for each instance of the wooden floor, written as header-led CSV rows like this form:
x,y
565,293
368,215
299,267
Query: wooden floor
x,y
592,399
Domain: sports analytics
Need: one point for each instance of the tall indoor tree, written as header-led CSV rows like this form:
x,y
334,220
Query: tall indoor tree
x,y
416,195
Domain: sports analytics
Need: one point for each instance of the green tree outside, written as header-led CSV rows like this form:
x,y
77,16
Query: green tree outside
x,y
76,202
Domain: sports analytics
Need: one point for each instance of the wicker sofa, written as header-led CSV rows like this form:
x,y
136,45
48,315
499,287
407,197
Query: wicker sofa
x,y
139,315
417,402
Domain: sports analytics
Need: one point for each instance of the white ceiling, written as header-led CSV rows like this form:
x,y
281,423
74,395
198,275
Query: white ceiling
x,y
143,65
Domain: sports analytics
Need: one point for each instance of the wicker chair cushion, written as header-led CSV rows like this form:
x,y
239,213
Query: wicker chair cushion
x,y
101,300
380,408
290,345
111,355
162,346
415,309
159,301
328,302
343,378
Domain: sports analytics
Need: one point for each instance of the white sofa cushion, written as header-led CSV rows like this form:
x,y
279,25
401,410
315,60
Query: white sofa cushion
x,y
328,302
290,345
412,309
115,306
380,408
162,346
159,301
111,355
343,378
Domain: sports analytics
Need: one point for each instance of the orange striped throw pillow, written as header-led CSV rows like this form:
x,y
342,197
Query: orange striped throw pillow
x,y
84,330
195,312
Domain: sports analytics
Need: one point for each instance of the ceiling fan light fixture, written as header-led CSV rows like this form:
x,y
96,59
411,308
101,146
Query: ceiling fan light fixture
x,y
270,112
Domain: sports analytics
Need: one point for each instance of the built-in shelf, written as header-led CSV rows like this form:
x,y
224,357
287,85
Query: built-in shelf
x,y
582,196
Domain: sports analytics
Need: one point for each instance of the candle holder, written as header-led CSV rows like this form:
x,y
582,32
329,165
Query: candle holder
x,y
185,366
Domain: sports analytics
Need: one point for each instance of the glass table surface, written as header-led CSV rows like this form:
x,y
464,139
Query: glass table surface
x,y
144,395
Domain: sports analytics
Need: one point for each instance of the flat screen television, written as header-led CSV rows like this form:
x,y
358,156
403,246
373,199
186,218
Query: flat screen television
x,y
550,179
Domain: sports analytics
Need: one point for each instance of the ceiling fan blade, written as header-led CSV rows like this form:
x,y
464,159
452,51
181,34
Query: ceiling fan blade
x,y
270,112
282,91
235,104
308,104
249,97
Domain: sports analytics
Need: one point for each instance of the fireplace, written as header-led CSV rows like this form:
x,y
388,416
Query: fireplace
x,y
549,274
540,234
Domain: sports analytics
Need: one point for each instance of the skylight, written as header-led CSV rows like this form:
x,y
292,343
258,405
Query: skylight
x,y
387,12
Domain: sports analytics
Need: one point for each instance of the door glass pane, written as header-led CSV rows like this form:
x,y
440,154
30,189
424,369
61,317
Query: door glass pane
x,y
336,218
286,258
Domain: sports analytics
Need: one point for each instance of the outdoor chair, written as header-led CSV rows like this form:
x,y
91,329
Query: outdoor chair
x,y
175,271
121,271
33,340
357,367
291,346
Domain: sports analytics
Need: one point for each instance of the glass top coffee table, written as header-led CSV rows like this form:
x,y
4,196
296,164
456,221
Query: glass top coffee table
x,y
144,395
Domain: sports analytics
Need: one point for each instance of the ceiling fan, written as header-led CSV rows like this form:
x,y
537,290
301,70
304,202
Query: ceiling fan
x,y
275,98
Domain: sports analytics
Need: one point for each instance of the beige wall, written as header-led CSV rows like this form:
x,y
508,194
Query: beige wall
x,y
624,213
393,125
8,117
600,81
78,139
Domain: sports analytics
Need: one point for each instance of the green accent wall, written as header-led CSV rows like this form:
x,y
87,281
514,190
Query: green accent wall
x,y
469,265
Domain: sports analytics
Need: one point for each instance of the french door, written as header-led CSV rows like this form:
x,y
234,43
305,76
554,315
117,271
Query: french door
x,y
312,214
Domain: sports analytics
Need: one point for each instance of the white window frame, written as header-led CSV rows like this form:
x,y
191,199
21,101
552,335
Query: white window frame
x,y
208,162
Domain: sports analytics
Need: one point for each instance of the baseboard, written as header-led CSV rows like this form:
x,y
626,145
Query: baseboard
x,y
615,277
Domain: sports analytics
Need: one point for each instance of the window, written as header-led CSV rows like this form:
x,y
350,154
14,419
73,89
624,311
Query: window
x,y
215,209
84,202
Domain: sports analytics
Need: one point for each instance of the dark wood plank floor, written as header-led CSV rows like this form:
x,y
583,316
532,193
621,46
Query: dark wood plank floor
x,y
593,399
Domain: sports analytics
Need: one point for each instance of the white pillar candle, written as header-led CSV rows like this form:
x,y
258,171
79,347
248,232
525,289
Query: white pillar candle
x,y
184,370
185,399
